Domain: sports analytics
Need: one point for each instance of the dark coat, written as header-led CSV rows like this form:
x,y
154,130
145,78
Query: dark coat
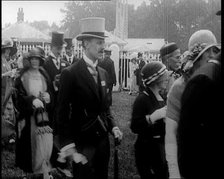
x,y
198,130
146,104
52,71
66,58
25,108
149,146
108,65
80,100
138,74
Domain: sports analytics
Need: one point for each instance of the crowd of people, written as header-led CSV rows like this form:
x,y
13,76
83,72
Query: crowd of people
x,y
60,107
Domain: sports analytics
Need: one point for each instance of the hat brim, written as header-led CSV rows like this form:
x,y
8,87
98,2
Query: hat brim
x,y
13,50
206,48
83,36
37,56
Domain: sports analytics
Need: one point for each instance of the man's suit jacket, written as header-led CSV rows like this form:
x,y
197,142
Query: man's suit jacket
x,y
80,100
66,58
108,65
51,69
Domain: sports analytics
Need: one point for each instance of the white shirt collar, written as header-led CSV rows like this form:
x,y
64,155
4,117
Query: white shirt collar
x,y
90,62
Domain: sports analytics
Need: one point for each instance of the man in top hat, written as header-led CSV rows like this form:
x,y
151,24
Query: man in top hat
x,y
69,56
54,63
84,118
170,56
108,65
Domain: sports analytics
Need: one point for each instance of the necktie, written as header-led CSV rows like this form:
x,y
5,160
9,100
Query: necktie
x,y
57,62
93,72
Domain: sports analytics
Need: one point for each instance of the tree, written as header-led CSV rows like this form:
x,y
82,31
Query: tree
x,y
74,11
40,25
54,27
173,20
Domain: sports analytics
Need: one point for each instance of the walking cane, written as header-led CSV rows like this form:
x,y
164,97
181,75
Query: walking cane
x,y
116,172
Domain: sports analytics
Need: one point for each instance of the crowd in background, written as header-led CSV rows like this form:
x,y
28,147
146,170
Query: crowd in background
x,y
57,107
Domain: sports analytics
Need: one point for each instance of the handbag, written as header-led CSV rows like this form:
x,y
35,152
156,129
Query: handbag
x,y
41,117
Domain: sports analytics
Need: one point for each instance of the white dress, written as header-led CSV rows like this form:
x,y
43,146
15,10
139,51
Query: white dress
x,y
133,87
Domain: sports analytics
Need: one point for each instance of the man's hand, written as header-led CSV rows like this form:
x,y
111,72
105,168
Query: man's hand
x,y
117,133
72,154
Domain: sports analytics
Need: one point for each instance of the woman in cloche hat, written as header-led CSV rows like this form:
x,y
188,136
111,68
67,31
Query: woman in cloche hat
x,y
202,46
34,136
147,121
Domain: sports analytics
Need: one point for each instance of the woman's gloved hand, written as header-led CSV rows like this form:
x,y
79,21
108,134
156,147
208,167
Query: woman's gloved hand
x,y
37,103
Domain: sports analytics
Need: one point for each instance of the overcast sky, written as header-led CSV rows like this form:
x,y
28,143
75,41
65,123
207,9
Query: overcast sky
x,y
37,10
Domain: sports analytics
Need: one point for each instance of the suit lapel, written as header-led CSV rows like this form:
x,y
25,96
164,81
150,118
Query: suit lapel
x,y
53,64
102,82
88,78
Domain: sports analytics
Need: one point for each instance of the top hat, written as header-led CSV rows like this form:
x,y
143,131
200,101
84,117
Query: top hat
x,y
8,43
168,48
57,39
92,27
68,43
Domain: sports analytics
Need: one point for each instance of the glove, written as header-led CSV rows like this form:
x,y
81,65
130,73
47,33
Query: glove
x,y
46,97
117,133
72,154
158,114
38,103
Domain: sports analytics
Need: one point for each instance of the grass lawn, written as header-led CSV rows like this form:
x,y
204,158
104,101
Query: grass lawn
x,y
121,110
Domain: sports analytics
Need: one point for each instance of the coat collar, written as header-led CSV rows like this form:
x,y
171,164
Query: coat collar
x,y
90,62
88,78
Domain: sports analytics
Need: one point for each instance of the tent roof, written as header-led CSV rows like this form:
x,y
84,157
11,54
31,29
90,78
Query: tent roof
x,y
25,33
141,45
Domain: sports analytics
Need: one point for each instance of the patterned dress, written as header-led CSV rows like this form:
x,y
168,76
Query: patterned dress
x,y
34,142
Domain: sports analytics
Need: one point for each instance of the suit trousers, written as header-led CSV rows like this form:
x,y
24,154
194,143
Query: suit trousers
x,y
110,94
98,159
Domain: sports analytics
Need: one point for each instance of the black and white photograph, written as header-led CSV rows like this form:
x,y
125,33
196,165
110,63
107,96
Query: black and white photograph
x,y
111,89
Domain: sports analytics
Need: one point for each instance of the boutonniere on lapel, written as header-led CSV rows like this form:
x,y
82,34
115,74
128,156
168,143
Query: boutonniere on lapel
x,y
63,64
103,83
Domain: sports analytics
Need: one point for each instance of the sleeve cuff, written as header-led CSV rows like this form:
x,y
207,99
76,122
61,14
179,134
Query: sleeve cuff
x,y
147,117
67,147
115,128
